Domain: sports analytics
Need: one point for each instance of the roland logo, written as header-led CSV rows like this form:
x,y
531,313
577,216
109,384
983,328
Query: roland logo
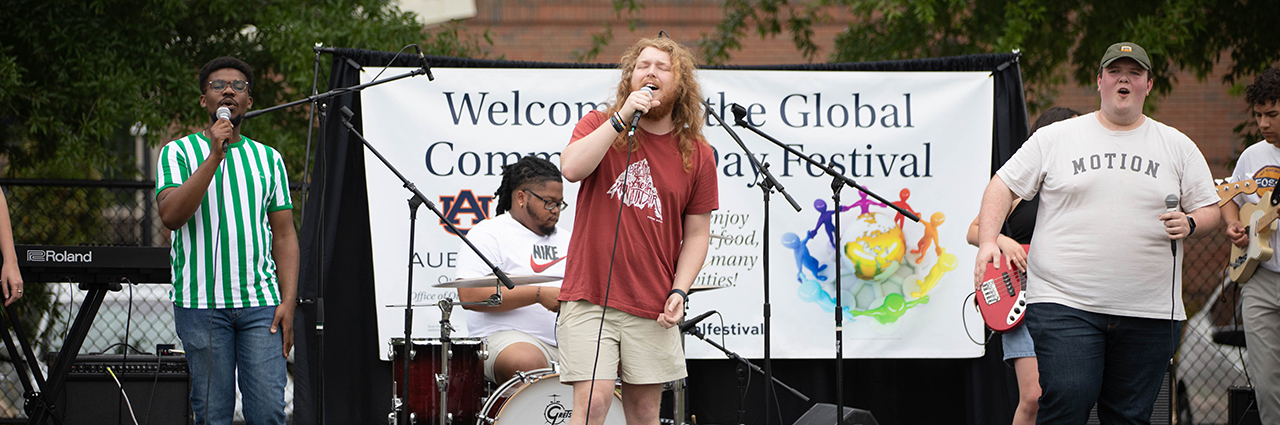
x,y
51,256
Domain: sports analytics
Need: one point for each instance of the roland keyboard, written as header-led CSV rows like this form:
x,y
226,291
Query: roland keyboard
x,y
112,265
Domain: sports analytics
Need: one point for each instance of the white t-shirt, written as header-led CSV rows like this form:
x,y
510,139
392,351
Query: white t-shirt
x,y
1261,163
516,250
1099,244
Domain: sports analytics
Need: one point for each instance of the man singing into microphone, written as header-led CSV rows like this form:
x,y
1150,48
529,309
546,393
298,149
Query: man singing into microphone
x,y
234,256
654,196
1105,291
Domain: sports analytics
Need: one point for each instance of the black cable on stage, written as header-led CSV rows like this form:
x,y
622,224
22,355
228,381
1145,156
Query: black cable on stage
x,y
622,203
966,322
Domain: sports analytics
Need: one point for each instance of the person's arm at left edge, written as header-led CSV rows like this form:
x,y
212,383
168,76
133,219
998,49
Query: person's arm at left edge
x,y
10,277
693,251
284,250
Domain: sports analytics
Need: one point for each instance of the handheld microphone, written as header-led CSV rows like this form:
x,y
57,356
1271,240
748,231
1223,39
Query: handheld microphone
x,y
684,326
1171,205
635,119
224,113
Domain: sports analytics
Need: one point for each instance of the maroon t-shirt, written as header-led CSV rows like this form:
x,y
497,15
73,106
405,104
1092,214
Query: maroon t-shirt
x,y
659,193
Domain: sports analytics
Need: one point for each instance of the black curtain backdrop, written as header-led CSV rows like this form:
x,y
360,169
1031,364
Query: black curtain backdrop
x,y
336,256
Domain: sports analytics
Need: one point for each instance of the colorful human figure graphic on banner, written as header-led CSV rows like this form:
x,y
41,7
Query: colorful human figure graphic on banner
x,y
882,280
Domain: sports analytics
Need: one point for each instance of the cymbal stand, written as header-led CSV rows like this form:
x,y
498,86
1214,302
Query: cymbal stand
x,y
446,349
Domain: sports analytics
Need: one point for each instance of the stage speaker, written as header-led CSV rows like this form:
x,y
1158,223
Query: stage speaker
x,y
1242,406
1162,413
825,414
157,386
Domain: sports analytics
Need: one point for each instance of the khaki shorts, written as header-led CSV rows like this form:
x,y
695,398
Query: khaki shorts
x,y
649,354
500,340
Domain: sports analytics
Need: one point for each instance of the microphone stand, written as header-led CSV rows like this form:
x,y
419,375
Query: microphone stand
x,y
317,389
839,181
316,101
734,356
418,198
344,90
766,187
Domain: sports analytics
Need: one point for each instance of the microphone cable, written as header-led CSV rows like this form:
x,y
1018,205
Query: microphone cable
x,y
217,257
622,203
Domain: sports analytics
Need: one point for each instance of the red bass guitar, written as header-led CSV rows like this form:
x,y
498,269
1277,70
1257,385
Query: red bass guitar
x,y
1001,296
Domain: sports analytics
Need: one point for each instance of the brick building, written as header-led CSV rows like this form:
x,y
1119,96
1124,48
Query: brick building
x,y
558,30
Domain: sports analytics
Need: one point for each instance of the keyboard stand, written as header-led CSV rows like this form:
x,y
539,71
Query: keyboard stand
x,y
39,397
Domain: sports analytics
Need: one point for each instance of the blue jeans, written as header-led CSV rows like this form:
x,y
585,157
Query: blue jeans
x,y
223,344
1084,357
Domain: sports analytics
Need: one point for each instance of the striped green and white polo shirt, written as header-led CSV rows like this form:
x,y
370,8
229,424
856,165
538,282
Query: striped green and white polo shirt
x,y
221,258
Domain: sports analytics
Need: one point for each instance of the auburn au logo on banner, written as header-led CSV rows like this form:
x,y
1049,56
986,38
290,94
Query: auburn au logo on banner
x,y
466,203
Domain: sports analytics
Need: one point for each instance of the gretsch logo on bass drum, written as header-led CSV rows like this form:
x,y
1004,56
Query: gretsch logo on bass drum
x,y
555,413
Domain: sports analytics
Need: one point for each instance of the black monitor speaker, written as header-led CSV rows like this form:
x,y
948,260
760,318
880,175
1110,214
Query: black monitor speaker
x,y
825,414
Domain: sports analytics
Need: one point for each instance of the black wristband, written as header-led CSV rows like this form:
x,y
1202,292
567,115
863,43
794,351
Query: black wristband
x,y
1191,222
617,123
682,294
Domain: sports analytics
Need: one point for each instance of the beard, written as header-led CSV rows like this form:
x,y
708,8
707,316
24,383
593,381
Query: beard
x,y
667,104
543,229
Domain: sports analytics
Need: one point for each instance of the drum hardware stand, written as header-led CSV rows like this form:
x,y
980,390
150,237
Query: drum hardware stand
x,y
402,411
838,182
767,186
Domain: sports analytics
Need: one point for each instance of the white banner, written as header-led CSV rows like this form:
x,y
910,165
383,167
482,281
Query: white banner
x,y
920,139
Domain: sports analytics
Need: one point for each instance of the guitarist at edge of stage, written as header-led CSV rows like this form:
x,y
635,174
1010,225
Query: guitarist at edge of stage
x,y
1260,298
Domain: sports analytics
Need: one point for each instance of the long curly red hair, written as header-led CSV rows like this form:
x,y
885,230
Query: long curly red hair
x,y
686,115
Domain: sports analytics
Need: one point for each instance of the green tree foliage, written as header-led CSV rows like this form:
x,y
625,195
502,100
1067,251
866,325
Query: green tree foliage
x,y
75,75
1059,40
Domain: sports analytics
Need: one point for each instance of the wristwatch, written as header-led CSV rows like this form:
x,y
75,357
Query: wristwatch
x,y
1192,223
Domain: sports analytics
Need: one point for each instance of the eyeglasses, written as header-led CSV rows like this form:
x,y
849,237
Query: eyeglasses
x,y
238,85
549,205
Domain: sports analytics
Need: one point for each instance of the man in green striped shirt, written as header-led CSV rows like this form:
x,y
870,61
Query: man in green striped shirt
x,y
234,255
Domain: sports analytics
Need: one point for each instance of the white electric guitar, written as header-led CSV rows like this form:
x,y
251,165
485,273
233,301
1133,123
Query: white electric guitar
x,y
1258,220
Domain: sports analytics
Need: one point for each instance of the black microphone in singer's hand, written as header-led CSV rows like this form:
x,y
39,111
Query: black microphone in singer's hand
x,y
224,113
1171,205
635,119
684,326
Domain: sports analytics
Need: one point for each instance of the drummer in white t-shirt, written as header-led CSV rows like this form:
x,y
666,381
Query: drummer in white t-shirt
x,y
521,239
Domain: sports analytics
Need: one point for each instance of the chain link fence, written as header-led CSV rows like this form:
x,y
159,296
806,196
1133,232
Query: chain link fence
x,y
100,213
1205,368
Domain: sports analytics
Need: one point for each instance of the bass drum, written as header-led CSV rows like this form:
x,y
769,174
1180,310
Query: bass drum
x,y
538,397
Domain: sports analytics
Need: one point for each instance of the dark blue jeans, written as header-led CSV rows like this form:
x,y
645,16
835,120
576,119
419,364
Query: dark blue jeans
x,y
229,343
1084,357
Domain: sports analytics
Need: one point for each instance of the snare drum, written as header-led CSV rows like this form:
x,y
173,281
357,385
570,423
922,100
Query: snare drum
x,y
538,397
466,377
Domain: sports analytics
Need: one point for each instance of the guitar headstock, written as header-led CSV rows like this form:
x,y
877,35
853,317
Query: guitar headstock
x,y
1226,191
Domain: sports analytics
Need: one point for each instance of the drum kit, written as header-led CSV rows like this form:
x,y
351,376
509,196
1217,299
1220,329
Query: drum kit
x,y
446,383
